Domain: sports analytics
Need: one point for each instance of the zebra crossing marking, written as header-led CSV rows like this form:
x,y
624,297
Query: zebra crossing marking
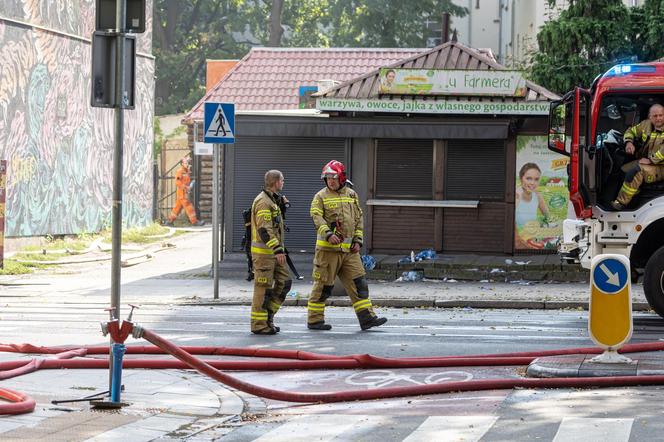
x,y
579,429
320,428
452,428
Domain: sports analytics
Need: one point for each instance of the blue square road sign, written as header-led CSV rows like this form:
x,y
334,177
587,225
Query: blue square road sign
x,y
219,123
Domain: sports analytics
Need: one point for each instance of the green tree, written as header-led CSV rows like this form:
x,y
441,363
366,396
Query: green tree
x,y
386,23
186,34
652,30
586,39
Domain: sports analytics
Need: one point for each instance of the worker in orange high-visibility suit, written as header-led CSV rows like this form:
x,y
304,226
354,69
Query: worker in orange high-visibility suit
x,y
183,184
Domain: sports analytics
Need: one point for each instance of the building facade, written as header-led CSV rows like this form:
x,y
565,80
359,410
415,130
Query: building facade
x,y
431,172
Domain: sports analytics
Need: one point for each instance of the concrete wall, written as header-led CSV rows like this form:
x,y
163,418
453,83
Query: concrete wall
x,y
59,149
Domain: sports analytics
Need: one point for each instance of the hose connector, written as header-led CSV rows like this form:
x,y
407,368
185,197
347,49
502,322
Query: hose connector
x,y
131,312
137,331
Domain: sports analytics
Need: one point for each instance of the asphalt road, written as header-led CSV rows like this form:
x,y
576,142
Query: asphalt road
x,y
618,414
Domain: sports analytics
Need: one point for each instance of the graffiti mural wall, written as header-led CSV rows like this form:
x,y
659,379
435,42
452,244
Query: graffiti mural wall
x,y
59,150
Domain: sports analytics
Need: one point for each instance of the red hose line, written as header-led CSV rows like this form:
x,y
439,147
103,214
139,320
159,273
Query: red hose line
x,y
308,360
303,355
9,369
198,350
19,403
353,395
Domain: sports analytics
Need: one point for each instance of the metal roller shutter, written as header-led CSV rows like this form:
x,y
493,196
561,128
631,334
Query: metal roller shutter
x,y
475,170
301,161
404,169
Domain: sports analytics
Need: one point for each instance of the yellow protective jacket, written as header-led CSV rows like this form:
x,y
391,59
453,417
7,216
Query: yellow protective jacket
x,y
340,213
649,141
267,225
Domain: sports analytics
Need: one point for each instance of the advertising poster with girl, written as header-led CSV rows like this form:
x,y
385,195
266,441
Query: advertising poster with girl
x,y
542,198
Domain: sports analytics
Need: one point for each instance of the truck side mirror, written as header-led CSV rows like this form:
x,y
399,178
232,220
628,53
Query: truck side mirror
x,y
558,141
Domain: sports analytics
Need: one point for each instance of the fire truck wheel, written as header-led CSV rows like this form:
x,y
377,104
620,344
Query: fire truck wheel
x,y
653,281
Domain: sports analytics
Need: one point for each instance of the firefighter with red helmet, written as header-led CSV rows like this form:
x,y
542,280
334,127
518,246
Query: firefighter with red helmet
x,y
337,216
271,279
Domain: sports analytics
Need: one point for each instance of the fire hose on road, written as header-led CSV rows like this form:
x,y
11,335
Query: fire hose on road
x,y
299,360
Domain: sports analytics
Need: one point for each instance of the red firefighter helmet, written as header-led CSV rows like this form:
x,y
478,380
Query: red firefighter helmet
x,y
334,169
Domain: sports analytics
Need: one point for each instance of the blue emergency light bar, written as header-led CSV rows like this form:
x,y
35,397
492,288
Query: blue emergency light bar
x,y
622,69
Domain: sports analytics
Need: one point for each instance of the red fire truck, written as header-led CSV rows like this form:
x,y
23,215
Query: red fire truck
x,y
587,125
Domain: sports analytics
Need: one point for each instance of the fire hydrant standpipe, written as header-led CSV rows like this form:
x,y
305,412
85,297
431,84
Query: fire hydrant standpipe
x,y
116,380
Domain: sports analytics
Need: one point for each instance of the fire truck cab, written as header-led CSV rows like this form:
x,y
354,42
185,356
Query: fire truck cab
x,y
587,125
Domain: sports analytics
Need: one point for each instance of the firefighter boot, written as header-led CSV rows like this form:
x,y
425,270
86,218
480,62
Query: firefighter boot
x,y
270,321
617,206
368,320
266,331
320,325
375,322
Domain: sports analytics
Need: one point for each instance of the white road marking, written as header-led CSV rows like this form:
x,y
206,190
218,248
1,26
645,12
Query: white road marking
x,y
452,428
578,429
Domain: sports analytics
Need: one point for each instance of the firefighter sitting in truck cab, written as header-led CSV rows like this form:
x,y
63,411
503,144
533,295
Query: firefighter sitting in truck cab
x,y
646,141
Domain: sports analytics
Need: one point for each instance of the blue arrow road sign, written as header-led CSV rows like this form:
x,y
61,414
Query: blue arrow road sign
x,y
219,123
610,275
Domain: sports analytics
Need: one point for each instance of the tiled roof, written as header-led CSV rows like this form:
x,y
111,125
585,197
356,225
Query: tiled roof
x,y
270,78
450,55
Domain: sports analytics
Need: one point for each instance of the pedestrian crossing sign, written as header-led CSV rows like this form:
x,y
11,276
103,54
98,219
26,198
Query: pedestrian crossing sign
x,y
219,123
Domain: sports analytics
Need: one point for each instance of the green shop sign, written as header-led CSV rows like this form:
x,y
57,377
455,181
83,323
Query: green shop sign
x,y
452,82
419,106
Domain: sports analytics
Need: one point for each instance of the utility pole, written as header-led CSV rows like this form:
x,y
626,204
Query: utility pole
x,y
113,85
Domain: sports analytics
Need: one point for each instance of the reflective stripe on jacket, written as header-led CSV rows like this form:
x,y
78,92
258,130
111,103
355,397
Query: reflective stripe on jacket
x,y
266,214
337,212
649,141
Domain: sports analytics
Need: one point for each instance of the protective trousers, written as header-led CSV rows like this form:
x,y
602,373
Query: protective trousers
x,y
636,174
348,266
271,284
183,203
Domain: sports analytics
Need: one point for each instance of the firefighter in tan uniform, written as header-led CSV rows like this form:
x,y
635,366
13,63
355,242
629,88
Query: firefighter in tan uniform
x,y
337,217
271,279
649,137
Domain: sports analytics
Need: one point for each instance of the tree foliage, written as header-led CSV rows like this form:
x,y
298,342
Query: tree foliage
x,y
387,24
652,30
186,34
590,36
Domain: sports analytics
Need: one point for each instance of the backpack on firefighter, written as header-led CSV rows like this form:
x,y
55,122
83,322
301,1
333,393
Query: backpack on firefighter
x,y
246,243
246,239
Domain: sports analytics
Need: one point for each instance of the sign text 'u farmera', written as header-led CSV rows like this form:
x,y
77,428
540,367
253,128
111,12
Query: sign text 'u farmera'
x,y
452,82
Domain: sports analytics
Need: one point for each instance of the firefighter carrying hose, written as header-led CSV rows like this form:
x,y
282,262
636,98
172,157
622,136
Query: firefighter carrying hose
x,y
271,279
183,186
337,216
648,136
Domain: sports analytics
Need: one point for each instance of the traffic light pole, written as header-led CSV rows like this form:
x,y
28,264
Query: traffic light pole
x,y
121,102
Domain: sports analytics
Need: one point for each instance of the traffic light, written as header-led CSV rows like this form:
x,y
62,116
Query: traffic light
x,y
104,47
135,20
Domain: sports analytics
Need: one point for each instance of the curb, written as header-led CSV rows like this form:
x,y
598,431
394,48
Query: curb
x,y
581,365
433,303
